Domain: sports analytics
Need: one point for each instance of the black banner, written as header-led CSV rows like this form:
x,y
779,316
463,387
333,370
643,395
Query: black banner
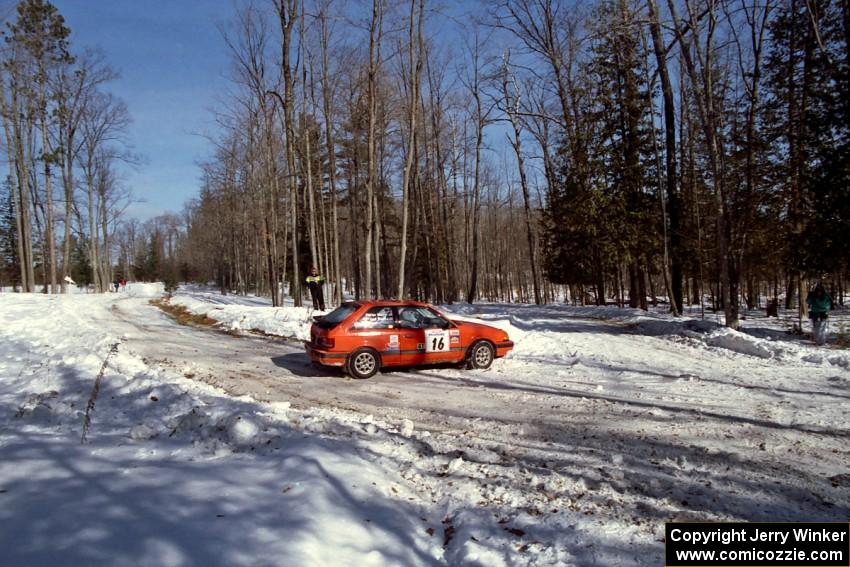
x,y
769,544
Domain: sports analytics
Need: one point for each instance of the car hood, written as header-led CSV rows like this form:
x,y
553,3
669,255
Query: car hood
x,y
479,327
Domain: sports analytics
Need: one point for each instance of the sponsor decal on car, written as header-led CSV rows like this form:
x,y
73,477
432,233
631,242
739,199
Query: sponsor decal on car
x,y
394,344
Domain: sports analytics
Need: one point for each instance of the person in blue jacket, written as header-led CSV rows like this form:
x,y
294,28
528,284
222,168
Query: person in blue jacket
x,y
819,303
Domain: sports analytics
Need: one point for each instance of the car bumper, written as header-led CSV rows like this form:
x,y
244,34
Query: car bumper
x,y
504,348
325,357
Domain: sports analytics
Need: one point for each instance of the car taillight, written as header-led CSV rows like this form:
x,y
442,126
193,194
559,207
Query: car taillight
x,y
325,342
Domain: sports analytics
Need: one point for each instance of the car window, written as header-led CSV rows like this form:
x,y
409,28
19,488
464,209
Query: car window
x,y
337,316
376,318
414,317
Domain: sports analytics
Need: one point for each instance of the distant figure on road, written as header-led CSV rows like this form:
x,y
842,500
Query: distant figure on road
x,y
314,282
819,303
773,308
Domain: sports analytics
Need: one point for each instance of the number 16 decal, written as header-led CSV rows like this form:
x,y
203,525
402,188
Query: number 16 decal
x,y
436,340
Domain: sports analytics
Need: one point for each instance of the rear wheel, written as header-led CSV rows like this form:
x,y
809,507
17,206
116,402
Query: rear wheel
x,y
363,363
481,355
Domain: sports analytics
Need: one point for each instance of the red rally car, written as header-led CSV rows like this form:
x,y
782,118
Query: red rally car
x,y
363,336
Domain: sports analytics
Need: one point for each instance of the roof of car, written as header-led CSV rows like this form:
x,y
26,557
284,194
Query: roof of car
x,y
388,303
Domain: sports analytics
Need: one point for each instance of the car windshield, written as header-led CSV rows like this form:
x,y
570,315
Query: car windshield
x,y
337,316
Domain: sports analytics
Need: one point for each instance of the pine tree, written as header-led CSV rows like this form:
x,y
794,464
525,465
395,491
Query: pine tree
x,y
9,263
81,270
622,94
574,239
806,77
590,231
149,266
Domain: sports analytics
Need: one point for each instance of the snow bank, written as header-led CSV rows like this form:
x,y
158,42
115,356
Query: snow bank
x,y
139,289
211,295
524,311
69,289
780,350
281,321
742,343
174,472
540,333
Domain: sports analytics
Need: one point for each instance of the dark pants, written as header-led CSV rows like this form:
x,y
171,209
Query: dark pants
x,y
318,297
819,327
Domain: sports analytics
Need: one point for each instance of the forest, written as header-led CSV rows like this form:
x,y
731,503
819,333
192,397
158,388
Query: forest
x,y
687,153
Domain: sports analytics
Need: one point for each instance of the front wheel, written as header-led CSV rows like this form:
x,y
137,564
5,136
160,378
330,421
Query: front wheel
x,y
363,363
481,355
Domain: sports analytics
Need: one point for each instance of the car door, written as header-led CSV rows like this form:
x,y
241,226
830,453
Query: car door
x,y
442,339
446,329
411,336
435,342
377,329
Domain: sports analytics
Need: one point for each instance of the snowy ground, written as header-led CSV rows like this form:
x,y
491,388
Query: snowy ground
x,y
220,447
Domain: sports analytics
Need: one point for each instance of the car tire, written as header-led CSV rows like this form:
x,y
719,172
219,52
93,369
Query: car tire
x,y
363,363
481,355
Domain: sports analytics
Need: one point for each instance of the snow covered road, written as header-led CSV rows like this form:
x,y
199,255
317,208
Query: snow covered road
x,y
574,450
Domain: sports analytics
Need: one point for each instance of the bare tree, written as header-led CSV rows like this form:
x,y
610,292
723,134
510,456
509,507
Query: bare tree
x,y
415,69
327,108
375,37
104,121
672,180
511,101
74,87
480,117
288,13
698,51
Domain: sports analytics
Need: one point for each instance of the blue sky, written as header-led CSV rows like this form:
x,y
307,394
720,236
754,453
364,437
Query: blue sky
x,y
171,60
173,63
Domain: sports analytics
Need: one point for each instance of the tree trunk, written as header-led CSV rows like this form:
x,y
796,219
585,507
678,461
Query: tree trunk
x,y
329,140
24,222
375,34
287,14
49,220
673,208
415,63
708,114
512,109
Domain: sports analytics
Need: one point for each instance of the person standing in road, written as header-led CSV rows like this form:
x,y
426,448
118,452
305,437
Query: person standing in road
x,y
315,283
819,303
